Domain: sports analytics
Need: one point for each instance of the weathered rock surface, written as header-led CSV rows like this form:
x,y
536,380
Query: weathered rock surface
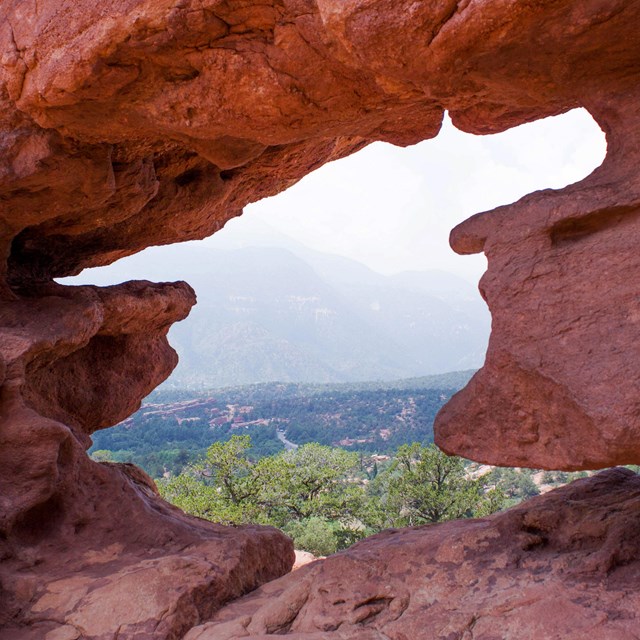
x,y
140,122
151,122
565,565
86,549
558,385
155,121
303,558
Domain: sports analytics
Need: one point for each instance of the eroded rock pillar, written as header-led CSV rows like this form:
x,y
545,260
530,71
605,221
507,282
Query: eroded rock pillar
x,y
559,388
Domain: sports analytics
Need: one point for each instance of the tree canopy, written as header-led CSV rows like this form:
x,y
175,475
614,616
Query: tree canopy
x,y
323,496
423,485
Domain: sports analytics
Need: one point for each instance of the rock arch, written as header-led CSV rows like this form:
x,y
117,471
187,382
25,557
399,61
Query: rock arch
x,y
154,121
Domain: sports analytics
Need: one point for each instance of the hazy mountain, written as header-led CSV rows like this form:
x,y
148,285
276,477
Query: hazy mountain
x,y
291,314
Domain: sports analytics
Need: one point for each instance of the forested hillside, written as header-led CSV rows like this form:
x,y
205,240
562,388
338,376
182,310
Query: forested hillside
x,y
175,427
327,463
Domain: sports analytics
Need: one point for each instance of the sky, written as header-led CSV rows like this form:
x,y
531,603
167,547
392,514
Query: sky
x,y
392,208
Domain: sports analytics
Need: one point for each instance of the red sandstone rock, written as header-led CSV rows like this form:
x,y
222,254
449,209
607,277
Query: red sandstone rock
x,y
178,115
87,548
558,386
140,122
153,122
565,565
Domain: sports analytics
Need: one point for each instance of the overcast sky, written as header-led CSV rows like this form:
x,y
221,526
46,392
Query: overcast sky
x,y
392,208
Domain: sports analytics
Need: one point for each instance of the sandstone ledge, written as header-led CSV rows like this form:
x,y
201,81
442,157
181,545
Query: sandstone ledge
x,y
147,571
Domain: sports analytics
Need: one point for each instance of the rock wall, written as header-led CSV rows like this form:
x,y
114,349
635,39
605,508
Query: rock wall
x,y
141,122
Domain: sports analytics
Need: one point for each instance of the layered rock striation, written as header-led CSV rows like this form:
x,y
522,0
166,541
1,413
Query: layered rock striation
x,y
558,385
142,122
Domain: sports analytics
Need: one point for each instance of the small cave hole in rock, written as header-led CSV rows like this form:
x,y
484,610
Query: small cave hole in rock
x,y
35,525
188,177
333,322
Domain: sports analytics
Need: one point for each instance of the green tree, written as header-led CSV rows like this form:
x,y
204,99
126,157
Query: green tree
x,y
315,535
317,494
516,484
188,492
424,485
227,465
222,487
313,480
303,487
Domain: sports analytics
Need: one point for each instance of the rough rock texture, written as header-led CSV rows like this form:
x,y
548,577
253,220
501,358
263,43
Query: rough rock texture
x,y
153,121
565,565
90,549
558,388
139,122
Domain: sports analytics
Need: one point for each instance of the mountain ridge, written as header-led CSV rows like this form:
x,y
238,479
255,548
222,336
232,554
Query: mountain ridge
x,y
292,314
